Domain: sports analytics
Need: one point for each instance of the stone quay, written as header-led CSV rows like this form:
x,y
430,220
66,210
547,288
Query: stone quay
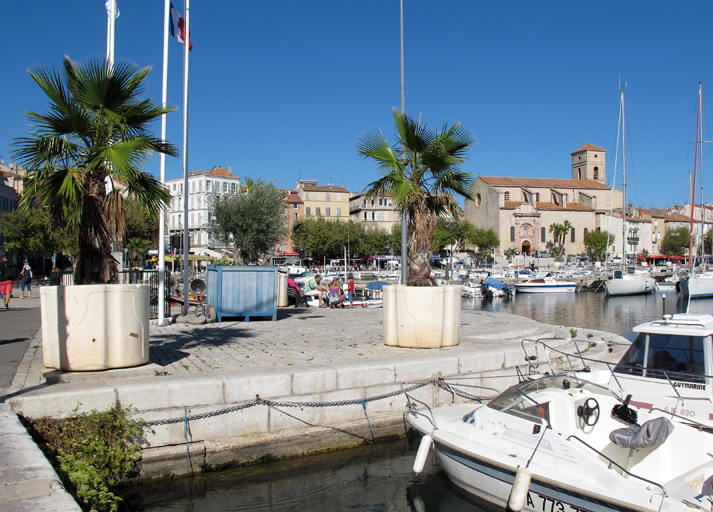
x,y
307,356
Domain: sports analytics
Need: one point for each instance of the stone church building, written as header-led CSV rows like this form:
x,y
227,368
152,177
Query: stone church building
x,y
521,210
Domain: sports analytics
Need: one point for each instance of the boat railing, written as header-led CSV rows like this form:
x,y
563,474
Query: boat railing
x,y
612,462
694,424
623,368
410,407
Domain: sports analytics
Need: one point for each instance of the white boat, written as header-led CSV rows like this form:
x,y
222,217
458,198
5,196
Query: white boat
x,y
697,286
630,282
470,289
543,282
559,444
668,368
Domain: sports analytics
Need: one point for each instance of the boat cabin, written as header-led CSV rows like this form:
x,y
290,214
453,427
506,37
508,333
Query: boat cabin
x,y
668,367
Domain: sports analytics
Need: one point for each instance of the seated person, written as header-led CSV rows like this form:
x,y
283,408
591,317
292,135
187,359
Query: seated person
x,y
294,291
314,289
336,294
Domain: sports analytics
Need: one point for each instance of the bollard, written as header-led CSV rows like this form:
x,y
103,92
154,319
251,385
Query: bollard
x,y
664,304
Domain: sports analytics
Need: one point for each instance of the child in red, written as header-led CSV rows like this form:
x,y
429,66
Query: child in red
x,y
350,288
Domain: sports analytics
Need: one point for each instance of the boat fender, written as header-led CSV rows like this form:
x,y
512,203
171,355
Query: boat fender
x,y
422,454
520,488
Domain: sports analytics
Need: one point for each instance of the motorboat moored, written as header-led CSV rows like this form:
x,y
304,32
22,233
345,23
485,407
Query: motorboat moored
x,y
630,282
563,444
543,282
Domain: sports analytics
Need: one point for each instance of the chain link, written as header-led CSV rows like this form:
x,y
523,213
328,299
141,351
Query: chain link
x,y
262,401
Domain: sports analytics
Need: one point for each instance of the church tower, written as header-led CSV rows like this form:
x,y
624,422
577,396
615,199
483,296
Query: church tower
x,y
589,163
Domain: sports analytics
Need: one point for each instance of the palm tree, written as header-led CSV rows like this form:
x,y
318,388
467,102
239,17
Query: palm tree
x,y
87,153
137,246
422,174
560,232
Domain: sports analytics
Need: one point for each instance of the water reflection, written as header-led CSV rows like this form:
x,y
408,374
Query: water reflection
x,y
591,310
374,478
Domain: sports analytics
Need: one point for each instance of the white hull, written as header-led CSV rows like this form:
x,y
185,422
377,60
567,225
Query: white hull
x,y
698,287
630,285
533,288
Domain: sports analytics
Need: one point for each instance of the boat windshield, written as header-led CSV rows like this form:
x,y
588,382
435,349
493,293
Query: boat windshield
x,y
677,356
519,401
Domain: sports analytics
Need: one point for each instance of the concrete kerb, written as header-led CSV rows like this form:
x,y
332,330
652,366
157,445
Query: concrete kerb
x,y
236,435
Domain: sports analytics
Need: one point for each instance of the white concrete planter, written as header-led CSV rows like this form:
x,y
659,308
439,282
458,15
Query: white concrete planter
x,y
95,327
422,317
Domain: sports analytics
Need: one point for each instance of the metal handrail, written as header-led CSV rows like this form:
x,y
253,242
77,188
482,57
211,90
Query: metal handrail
x,y
686,419
619,466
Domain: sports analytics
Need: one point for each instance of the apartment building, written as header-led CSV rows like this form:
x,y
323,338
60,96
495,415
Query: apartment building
x,y
11,182
374,213
330,202
201,186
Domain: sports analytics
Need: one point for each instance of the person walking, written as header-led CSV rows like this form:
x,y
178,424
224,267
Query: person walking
x,y
8,272
26,280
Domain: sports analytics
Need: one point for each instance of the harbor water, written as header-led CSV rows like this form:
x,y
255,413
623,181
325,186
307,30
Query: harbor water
x,y
379,478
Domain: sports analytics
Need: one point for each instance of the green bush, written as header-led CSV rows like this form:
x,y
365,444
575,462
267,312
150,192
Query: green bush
x,y
93,452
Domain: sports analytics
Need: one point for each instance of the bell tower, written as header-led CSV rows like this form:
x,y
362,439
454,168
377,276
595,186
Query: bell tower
x,y
589,163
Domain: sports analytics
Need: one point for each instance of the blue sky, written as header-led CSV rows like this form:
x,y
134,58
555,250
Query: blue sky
x,y
283,89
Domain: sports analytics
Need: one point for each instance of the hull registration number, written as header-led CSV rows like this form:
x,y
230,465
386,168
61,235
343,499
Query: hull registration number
x,y
541,503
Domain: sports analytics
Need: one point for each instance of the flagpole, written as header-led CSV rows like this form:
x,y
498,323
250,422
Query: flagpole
x,y
162,213
111,27
186,50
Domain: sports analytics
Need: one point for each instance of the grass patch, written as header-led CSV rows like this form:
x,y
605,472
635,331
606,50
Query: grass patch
x,y
91,452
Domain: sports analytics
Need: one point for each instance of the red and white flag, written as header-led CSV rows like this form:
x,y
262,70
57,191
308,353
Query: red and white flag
x,y
178,27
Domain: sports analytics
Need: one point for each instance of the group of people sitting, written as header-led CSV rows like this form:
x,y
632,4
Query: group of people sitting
x,y
335,296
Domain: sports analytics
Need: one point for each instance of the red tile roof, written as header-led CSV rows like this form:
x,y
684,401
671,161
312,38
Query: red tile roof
x,y
501,181
588,147
323,188
511,205
674,217
219,171
293,198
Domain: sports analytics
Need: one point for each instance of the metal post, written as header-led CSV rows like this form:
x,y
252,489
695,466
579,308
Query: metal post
x,y
186,51
404,213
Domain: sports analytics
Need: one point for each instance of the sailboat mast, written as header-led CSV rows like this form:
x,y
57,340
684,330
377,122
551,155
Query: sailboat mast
x,y
623,160
693,189
700,138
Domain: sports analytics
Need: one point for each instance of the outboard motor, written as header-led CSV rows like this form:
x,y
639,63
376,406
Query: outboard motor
x,y
624,413
485,291
508,291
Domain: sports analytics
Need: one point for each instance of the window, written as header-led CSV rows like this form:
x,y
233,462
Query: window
x,y
381,202
319,212
328,212
543,235
207,185
373,215
365,216
661,353
391,216
477,199
572,236
295,217
295,206
173,187
512,232
307,196
537,197
507,196
193,185
585,232
596,173
316,196
339,212
381,216
308,212
339,197
232,188
200,186
327,196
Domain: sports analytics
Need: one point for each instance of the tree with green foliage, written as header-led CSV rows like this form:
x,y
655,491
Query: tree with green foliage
x,y
422,173
136,246
323,238
675,241
485,240
251,222
448,230
87,154
560,232
141,223
510,252
30,230
708,242
596,243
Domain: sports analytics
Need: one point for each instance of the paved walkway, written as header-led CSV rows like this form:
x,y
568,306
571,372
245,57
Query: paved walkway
x,y
307,336
17,327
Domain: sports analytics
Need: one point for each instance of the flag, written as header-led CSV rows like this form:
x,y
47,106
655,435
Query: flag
x,y
178,27
107,4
